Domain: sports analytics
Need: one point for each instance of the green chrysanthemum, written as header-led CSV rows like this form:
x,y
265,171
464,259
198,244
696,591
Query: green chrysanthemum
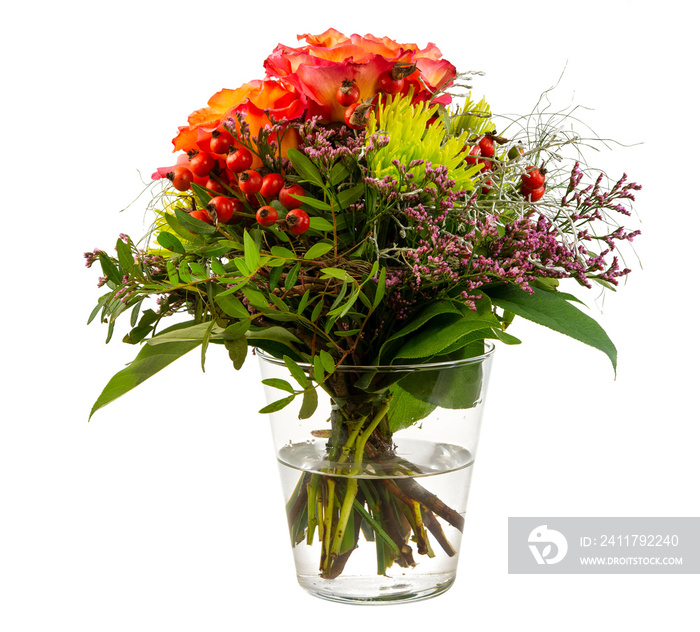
x,y
412,138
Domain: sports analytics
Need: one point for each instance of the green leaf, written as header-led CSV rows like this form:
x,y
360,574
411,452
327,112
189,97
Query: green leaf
x,y
317,204
444,333
198,271
256,299
381,288
170,242
318,250
251,253
237,351
336,273
232,306
553,310
405,409
305,168
297,372
184,272
455,388
205,342
282,252
434,309
279,383
346,197
309,403
320,224
173,276
327,360
203,196
193,224
292,277
126,259
278,405
318,369
109,269
338,173
150,360
189,330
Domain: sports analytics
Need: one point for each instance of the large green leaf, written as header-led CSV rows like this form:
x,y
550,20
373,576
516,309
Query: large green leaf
x,y
405,410
434,309
553,310
455,387
151,359
442,334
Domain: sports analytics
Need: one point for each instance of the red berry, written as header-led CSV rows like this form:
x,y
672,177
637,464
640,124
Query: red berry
x,y
221,141
533,178
250,182
272,184
487,186
202,216
532,195
215,186
221,208
473,153
286,199
388,84
239,160
348,93
202,163
181,177
267,215
357,119
297,221
487,147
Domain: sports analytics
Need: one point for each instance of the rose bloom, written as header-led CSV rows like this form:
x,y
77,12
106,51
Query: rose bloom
x,y
254,100
318,69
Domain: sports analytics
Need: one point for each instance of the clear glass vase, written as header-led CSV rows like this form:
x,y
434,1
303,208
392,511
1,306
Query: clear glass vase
x,y
376,480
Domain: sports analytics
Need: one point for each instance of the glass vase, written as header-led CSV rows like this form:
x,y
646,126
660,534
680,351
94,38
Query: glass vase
x,y
376,480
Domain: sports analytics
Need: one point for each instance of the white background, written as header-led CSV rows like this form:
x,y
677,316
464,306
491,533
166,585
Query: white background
x,y
164,512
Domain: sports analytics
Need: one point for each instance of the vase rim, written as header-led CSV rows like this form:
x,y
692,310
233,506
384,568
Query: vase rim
x,y
489,346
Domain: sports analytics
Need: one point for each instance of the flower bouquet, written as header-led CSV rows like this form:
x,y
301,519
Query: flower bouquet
x,y
357,218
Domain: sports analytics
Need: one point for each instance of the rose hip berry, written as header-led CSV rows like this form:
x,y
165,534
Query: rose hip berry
x,y
266,215
532,195
202,163
533,178
286,199
202,216
348,93
271,185
221,208
239,160
357,115
250,182
473,155
297,221
181,177
488,150
221,141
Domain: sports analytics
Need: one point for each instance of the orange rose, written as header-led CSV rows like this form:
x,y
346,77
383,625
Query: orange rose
x,y
319,68
252,99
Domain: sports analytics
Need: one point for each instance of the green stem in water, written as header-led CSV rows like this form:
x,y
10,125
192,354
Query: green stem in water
x,y
351,490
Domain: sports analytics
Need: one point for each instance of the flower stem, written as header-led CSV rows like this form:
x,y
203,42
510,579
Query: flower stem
x,y
351,489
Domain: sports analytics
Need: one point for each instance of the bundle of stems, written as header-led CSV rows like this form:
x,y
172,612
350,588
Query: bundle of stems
x,y
366,488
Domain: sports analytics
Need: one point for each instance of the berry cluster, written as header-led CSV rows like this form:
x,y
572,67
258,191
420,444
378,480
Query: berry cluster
x,y
532,186
226,170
